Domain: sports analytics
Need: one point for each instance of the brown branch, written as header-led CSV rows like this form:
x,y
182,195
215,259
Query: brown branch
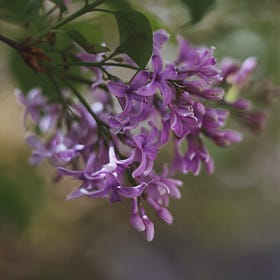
x,y
32,56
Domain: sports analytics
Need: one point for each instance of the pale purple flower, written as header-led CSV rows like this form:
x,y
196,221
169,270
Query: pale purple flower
x,y
60,149
104,181
135,107
161,187
98,75
111,186
141,221
146,148
183,119
202,89
193,157
242,104
238,76
197,62
133,113
34,103
122,90
160,79
160,38
43,115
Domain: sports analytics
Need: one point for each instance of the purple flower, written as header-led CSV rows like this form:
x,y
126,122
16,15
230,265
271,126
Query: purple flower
x,y
104,181
135,218
112,186
59,149
202,89
238,75
146,147
86,57
33,102
160,38
160,79
42,114
111,143
183,119
194,156
133,113
141,221
122,90
196,62
135,108
161,187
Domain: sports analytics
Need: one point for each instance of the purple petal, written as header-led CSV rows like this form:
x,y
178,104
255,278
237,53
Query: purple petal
x,y
157,64
137,222
117,88
165,215
160,37
149,228
148,90
75,194
141,168
37,144
167,92
131,192
74,173
139,80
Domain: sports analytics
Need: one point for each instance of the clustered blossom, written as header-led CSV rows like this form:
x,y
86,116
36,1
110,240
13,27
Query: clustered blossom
x,y
111,146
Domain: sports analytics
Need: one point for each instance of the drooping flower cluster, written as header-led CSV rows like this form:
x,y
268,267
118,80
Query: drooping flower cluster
x,y
110,143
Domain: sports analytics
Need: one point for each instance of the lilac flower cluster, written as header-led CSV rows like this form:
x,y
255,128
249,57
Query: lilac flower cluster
x,y
111,145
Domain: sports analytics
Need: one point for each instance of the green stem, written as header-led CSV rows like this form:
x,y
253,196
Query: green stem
x,y
102,127
85,9
97,64
78,79
59,94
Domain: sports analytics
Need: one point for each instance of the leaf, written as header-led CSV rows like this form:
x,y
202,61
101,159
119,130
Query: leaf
x,y
119,4
11,11
136,36
198,8
77,37
32,9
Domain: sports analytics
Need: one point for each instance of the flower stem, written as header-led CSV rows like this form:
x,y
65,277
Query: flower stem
x,y
10,42
101,126
97,64
85,9
78,79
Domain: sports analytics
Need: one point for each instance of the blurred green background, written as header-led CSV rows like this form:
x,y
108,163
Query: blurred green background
x,y
226,226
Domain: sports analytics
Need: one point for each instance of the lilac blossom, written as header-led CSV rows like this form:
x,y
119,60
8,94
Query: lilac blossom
x,y
146,148
59,149
160,79
111,145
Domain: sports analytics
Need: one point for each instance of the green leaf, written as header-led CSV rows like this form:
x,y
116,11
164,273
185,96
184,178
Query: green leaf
x,y
136,36
11,11
119,4
32,9
77,37
198,8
